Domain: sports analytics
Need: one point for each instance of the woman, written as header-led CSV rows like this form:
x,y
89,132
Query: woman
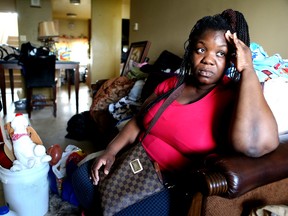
x,y
213,110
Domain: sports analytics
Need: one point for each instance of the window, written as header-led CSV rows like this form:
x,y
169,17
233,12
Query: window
x,y
9,29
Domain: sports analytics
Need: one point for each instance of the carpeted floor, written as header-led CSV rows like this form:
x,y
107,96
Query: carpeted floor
x,y
57,207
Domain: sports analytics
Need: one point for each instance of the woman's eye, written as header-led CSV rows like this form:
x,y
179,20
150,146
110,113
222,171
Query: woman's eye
x,y
200,50
221,54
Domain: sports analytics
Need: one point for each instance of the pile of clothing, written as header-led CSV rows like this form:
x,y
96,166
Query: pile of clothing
x,y
268,67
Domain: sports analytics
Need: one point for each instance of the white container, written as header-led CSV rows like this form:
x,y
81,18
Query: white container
x,y
27,192
4,210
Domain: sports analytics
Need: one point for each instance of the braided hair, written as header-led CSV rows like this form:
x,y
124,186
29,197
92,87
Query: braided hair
x,y
227,20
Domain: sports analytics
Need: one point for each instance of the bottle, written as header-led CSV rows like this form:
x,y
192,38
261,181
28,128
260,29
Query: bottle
x,y
4,210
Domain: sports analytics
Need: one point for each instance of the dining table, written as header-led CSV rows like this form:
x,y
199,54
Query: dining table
x,y
12,65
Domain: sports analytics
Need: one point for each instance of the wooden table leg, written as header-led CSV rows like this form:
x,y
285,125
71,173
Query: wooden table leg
x,y
76,82
67,73
11,83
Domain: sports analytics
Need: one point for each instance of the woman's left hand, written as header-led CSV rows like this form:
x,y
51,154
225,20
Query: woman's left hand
x,y
242,58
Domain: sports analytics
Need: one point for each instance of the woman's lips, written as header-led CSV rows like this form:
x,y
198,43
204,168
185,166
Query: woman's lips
x,y
205,73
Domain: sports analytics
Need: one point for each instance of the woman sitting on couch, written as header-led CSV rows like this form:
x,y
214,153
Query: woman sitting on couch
x,y
213,110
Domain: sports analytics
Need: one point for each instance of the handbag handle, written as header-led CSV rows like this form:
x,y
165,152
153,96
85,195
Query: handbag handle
x,y
176,93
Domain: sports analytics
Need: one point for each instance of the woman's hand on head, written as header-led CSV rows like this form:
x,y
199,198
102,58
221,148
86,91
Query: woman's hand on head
x,y
105,160
242,58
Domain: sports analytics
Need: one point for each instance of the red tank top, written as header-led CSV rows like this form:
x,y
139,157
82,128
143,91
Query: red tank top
x,y
186,129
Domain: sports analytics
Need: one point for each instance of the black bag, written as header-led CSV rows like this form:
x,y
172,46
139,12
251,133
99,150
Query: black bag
x,y
80,126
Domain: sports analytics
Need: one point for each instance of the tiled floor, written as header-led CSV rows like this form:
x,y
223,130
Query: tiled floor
x,y
53,130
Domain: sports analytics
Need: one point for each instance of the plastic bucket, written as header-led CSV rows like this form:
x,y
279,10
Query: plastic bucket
x,y
27,191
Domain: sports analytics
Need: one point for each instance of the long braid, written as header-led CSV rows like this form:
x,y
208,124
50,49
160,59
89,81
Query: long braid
x,y
243,29
240,26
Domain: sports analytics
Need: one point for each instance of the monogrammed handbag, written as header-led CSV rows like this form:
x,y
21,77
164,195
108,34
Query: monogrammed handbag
x,y
133,177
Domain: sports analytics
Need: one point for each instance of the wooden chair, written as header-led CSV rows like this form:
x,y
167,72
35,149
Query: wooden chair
x,y
39,72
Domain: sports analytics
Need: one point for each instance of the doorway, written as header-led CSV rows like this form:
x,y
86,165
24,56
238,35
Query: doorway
x,y
125,39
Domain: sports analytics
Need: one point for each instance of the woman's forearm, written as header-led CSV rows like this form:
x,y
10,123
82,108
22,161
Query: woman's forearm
x,y
125,137
130,132
254,129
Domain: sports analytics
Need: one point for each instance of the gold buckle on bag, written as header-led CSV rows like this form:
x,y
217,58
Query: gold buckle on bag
x,y
136,166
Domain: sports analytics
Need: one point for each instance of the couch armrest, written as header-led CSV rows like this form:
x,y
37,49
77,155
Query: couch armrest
x,y
233,175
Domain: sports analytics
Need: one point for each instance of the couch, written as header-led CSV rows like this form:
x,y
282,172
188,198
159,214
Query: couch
x,y
233,184
224,183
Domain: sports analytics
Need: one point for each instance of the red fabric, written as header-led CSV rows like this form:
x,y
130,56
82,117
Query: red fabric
x,y
188,129
5,162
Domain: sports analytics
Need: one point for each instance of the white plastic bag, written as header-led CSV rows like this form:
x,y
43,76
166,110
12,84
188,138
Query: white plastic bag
x,y
59,169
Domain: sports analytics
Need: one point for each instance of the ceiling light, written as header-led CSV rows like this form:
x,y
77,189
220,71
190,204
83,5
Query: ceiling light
x,y
75,2
71,15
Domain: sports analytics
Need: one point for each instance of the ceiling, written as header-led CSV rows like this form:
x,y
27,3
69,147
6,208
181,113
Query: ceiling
x,y
61,7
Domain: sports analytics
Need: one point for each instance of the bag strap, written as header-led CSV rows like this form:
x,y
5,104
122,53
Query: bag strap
x,y
176,93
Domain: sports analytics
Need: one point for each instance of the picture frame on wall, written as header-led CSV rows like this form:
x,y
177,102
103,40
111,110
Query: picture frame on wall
x,y
137,53
35,3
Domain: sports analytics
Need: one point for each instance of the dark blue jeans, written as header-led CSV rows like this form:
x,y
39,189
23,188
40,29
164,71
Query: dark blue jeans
x,y
168,202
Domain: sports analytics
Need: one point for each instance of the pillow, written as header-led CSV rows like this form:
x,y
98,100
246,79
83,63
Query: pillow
x,y
164,67
154,79
110,92
276,94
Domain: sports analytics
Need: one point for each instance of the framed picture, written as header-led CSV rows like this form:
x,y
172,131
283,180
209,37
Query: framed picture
x,y
35,3
137,53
